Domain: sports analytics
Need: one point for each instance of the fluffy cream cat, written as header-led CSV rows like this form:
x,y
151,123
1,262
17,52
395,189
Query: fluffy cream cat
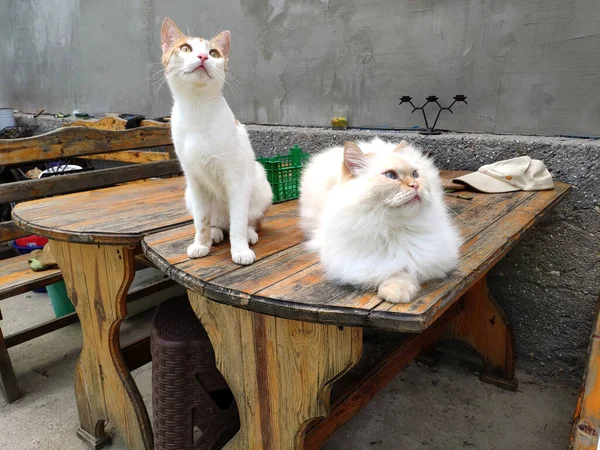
x,y
226,188
375,213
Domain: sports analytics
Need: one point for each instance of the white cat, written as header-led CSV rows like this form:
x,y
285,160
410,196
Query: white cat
x,y
226,188
375,213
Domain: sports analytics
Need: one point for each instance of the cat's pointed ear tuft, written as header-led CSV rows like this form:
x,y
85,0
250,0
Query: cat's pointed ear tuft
x,y
401,146
169,34
355,161
223,41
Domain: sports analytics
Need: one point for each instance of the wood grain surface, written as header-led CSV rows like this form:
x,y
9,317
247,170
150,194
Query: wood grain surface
x,y
118,215
16,277
287,280
78,141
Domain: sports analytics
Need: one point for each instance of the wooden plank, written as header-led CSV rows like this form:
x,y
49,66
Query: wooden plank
x,y
10,231
68,183
79,141
16,277
119,215
174,242
114,123
130,156
105,123
41,329
282,369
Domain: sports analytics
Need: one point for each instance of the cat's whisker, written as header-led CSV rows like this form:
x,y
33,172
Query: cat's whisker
x,y
453,212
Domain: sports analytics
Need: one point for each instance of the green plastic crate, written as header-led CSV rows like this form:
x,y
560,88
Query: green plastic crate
x,y
283,173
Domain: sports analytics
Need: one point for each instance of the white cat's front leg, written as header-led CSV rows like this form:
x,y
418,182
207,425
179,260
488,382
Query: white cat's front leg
x,y
400,288
238,224
199,204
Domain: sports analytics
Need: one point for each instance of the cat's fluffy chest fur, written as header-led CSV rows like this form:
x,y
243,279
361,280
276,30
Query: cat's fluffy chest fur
x,y
377,218
208,142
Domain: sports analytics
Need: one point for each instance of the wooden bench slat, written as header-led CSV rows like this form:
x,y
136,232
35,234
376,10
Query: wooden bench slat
x,y
16,277
49,326
130,156
78,141
9,231
68,183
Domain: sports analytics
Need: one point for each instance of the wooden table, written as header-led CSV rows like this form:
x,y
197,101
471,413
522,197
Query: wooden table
x,y
95,237
283,334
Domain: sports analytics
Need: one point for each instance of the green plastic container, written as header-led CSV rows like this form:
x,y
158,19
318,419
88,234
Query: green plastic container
x,y
283,173
59,299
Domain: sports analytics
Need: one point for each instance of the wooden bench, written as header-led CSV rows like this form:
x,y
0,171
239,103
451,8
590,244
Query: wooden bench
x,y
106,140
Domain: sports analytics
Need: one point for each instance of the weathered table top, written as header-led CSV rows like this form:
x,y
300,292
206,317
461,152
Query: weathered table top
x,y
287,279
119,215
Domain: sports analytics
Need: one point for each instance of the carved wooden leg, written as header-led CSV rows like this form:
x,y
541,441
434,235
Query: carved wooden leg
x,y
586,420
97,279
280,371
483,325
8,381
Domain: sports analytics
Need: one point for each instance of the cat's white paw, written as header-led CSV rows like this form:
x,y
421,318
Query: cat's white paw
x,y
252,236
243,257
397,291
197,250
216,234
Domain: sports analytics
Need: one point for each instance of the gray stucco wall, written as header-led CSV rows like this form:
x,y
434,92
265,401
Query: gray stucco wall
x,y
526,66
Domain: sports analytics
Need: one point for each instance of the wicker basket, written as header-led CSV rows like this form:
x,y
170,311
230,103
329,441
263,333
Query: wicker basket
x,y
192,405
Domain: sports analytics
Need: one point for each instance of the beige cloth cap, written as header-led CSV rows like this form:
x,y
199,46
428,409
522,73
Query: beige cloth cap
x,y
517,174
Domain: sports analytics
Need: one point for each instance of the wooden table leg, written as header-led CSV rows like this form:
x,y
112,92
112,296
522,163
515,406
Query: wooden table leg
x,y
280,371
586,420
97,279
482,324
8,381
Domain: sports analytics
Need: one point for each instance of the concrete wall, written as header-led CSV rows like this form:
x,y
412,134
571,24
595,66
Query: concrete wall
x,y
527,66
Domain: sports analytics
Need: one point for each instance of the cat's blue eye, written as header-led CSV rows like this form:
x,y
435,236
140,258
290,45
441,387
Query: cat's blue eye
x,y
391,175
415,174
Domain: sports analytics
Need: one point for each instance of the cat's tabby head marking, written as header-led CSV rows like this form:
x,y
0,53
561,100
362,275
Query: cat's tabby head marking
x,y
193,61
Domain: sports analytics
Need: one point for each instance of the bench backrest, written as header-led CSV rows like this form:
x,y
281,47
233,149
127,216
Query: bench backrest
x,y
85,142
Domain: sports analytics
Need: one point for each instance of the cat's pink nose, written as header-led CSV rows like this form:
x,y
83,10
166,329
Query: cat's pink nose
x,y
203,56
413,184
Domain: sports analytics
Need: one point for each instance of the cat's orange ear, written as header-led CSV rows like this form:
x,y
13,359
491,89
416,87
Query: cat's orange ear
x,y
223,41
401,146
169,34
355,161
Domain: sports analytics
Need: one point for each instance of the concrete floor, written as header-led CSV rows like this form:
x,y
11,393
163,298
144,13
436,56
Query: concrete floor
x,y
445,407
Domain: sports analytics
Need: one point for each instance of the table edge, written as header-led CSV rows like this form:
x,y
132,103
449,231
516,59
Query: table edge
x,y
336,315
87,237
